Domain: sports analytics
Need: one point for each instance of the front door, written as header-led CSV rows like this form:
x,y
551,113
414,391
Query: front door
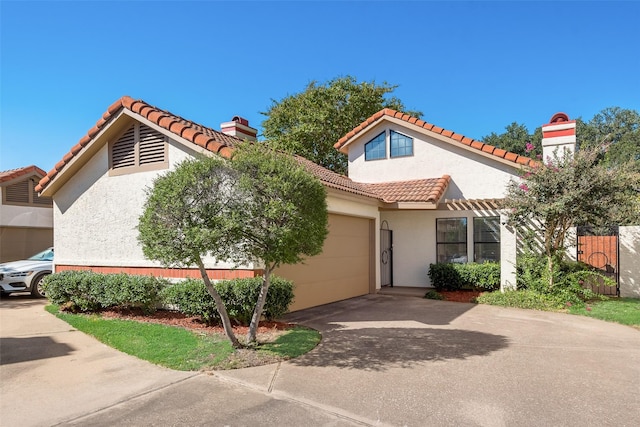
x,y
386,255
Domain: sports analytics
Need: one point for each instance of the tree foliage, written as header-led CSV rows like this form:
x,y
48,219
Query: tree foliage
x,y
515,139
311,122
261,206
570,191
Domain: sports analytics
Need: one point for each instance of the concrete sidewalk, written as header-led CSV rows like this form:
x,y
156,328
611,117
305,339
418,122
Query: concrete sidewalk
x,y
384,360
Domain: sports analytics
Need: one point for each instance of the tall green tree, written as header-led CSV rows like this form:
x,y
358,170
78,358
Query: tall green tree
x,y
311,122
261,206
570,191
616,132
516,139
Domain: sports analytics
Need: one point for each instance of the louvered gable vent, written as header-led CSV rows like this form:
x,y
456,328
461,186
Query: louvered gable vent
x,y
123,153
18,192
141,148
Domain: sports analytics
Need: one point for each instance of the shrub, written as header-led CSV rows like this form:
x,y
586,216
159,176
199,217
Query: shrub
x,y
431,294
484,276
239,295
523,299
89,291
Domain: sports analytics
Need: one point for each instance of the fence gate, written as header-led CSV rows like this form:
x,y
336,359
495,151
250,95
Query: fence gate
x,y
386,255
599,248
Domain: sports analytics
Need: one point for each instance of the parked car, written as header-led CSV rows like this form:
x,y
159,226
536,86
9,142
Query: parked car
x,y
26,275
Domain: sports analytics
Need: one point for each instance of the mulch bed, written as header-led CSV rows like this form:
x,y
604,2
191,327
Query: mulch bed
x,y
460,296
175,318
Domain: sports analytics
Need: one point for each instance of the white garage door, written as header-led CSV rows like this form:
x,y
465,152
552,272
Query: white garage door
x,y
343,269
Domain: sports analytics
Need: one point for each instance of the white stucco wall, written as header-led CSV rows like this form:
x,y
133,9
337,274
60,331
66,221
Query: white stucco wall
x,y
96,215
414,242
473,176
629,262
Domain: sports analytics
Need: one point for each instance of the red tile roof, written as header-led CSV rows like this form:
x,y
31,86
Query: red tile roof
x,y
423,190
15,173
454,138
419,190
212,140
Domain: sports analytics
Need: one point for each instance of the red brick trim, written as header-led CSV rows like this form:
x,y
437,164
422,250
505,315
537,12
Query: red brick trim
x,y
170,273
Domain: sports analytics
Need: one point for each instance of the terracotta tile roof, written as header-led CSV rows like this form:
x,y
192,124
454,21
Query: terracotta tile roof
x,y
419,190
15,173
212,140
455,138
335,180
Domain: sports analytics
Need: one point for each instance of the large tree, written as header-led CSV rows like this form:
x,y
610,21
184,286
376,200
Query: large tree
x,y
311,122
566,192
261,206
515,139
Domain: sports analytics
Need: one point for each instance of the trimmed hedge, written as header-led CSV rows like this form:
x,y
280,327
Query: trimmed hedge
x,y
485,276
239,295
89,291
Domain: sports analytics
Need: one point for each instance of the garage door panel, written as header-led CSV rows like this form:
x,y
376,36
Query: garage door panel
x,y
341,271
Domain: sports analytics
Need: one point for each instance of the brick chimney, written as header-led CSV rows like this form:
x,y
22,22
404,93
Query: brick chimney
x,y
239,127
558,136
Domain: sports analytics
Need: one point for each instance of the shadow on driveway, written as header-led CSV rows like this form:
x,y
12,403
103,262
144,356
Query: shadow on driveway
x,y
380,348
16,350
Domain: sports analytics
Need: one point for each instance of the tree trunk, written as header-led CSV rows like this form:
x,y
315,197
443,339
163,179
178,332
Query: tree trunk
x,y
222,310
257,312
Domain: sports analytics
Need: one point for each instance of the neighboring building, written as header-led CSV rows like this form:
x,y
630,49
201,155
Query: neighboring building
x,y
26,219
436,190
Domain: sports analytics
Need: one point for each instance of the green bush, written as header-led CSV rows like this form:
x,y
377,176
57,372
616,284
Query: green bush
x,y
484,276
524,299
431,294
89,291
239,295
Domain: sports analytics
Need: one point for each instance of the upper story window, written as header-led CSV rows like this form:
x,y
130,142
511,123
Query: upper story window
x,y
376,148
23,193
401,145
139,149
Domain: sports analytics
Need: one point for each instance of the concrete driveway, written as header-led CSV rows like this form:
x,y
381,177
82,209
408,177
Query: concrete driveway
x,y
384,360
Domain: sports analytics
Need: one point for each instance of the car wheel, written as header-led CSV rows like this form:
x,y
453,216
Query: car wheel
x,y
36,287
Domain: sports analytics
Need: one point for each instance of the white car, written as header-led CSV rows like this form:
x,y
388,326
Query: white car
x,y
26,275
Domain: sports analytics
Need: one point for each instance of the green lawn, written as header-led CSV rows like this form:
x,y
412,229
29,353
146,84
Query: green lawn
x,y
619,310
185,350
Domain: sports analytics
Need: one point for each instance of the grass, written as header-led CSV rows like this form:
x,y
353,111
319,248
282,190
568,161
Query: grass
x,y
620,310
185,350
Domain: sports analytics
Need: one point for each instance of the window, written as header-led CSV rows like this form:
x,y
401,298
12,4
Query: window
x,y
140,148
24,193
451,240
486,239
401,145
376,148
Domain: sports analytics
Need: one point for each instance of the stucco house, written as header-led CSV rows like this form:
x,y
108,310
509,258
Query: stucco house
x,y
26,219
432,191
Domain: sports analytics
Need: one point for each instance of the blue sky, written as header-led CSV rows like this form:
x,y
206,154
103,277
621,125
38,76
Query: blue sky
x,y
472,67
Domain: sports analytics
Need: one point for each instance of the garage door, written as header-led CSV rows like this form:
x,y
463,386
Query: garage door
x,y
343,269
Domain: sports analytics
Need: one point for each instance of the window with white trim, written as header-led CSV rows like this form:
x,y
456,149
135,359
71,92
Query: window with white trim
x,y
376,148
140,148
451,240
486,239
401,145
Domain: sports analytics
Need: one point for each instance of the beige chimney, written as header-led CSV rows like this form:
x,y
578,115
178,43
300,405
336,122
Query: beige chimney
x,y
239,127
558,137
